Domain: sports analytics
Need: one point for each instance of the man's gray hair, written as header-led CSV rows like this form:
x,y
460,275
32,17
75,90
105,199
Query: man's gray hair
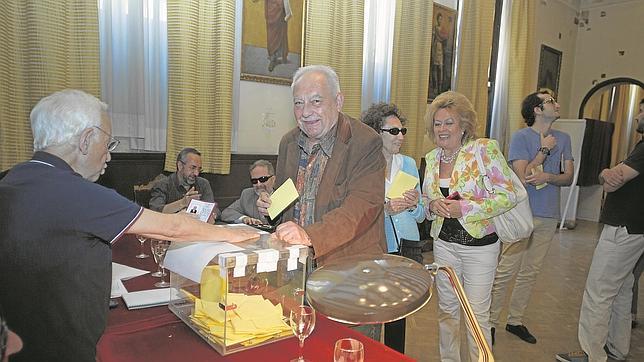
x,y
330,75
181,157
267,164
57,118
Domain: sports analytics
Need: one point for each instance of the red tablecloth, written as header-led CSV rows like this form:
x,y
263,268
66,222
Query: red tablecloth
x,y
156,334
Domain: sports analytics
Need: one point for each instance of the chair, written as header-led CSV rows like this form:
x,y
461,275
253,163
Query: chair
x,y
142,193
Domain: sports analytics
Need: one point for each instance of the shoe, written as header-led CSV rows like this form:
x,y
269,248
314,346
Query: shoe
x,y
521,332
578,356
492,330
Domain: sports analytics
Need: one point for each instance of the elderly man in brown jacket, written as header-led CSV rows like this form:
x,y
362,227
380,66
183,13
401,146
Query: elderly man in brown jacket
x,y
337,165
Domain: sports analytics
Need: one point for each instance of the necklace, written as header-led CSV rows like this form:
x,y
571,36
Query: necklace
x,y
450,158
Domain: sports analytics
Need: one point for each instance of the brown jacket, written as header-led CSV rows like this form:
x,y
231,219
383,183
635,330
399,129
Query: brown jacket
x,y
349,204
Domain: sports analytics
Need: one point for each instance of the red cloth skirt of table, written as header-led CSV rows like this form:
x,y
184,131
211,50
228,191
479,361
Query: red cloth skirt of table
x,y
156,334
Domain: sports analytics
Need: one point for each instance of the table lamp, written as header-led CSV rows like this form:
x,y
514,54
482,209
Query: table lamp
x,y
383,288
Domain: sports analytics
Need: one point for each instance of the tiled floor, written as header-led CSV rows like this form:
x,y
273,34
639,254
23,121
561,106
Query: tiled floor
x,y
553,312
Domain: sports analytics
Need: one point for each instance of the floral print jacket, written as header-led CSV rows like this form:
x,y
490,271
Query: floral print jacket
x,y
482,196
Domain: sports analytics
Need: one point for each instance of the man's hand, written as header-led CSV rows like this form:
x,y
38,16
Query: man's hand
x,y
548,141
192,194
263,203
251,221
538,178
292,233
613,177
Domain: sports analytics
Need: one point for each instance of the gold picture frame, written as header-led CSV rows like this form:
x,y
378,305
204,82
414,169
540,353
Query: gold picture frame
x,y
272,40
441,61
549,68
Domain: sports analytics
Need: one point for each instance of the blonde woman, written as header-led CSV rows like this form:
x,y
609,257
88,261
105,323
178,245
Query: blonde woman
x,y
462,201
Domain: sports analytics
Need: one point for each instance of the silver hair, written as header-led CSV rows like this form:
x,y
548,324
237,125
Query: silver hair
x,y
57,118
267,164
330,75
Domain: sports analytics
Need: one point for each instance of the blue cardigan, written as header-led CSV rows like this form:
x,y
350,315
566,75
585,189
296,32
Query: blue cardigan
x,y
405,222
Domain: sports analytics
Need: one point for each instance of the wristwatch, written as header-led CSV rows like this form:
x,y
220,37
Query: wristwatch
x,y
545,151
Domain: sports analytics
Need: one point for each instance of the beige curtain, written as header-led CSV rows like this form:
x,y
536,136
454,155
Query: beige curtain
x,y
333,37
201,38
474,55
410,69
45,46
522,77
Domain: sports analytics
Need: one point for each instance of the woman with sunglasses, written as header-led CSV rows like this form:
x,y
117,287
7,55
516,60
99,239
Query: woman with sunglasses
x,y
462,202
401,213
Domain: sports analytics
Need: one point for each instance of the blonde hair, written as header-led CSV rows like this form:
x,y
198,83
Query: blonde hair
x,y
459,107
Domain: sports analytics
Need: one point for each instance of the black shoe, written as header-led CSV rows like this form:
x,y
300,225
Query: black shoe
x,y
521,332
492,330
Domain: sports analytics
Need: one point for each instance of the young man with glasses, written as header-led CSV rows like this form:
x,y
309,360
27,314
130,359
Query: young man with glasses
x,y
174,193
542,158
244,210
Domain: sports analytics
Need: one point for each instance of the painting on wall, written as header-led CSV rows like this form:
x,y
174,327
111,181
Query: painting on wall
x,y
549,68
441,61
272,40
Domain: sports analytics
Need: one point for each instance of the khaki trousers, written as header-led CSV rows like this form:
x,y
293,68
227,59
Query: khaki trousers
x,y
523,259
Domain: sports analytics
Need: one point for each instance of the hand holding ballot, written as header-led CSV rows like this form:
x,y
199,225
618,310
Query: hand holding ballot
x,y
402,194
273,205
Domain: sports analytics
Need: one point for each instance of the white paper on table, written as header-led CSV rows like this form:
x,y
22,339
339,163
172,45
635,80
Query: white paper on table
x,y
190,258
201,208
150,298
123,272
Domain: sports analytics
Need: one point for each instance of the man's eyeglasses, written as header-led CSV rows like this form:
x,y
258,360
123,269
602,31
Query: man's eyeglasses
x,y
193,167
260,179
113,143
395,131
549,100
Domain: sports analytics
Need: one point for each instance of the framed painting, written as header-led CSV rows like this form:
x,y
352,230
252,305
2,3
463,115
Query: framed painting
x,y
549,68
441,61
272,40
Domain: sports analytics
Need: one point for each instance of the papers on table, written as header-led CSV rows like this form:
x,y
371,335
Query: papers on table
x,y
201,208
401,183
189,259
282,197
150,298
123,272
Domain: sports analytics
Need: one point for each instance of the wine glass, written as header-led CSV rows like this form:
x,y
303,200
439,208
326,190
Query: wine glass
x,y
157,273
160,248
302,321
348,350
142,240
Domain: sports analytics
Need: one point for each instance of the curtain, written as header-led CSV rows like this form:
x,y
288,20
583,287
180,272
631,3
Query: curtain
x,y
410,69
134,68
474,51
595,151
499,123
201,40
45,46
378,44
333,37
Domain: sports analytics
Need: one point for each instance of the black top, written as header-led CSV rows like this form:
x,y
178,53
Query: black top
x,y
56,230
453,232
624,207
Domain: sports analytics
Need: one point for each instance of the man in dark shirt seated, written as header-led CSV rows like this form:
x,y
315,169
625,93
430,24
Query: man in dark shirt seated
x,y
58,226
174,193
244,210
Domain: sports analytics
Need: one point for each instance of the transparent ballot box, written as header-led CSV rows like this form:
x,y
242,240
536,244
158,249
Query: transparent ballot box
x,y
237,296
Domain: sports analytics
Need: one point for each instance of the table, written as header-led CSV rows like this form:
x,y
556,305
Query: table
x,y
156,334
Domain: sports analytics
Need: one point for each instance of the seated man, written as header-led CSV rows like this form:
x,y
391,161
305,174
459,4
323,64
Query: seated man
x,y
244,210
174,193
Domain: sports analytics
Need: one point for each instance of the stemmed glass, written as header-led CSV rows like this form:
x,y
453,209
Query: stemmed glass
x,y
348,350
157,273
160,247
142,240
302,321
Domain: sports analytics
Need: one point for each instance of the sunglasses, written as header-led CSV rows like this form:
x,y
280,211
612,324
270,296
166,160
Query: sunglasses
x,y
260,179
395,131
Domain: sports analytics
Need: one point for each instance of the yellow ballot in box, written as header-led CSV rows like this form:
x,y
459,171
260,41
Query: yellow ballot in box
x,y
241,297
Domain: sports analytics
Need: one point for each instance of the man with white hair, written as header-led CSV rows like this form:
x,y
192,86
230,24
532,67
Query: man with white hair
x,y
58,228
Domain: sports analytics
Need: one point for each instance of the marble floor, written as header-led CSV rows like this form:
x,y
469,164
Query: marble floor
x,y
552,314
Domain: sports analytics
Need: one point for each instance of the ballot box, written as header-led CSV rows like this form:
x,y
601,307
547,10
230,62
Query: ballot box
x,y
237,296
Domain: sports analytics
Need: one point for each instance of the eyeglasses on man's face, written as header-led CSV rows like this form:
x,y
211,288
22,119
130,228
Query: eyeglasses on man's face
x,y
192,168
548,100
113,143
395,131
262,179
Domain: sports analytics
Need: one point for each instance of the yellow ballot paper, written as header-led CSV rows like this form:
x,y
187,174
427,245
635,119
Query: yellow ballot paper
x,y
402,182
537,169
282,197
